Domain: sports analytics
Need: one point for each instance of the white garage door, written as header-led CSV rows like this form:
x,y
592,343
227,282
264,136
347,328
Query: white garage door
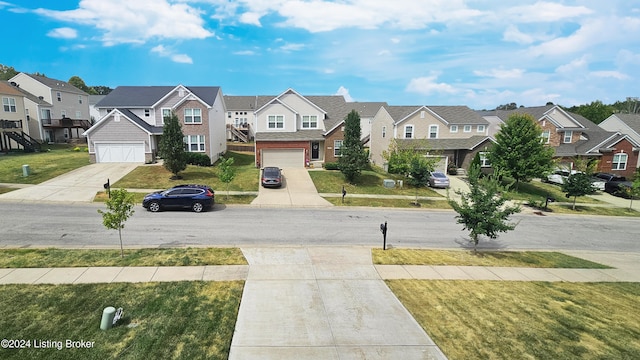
x,y
283,158
120,152
441,164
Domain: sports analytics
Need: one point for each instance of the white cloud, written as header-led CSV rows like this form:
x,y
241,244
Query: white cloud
x,y
428,85
178,58
292,47
544,11
125,21
576,65
345,93
501,73
63,33
514,35
610,74
245,53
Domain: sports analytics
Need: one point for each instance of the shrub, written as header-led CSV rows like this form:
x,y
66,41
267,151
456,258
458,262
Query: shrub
x,y
198,159
332,166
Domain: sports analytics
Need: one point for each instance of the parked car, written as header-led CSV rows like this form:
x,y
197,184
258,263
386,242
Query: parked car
x,y
559,176
195,197
271,177
438,179
613,183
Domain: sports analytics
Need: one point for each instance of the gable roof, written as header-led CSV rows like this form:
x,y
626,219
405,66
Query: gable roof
x,y
153,130
469,143
148,96
631,120
248,103
289,91
364,109
10,89
56,84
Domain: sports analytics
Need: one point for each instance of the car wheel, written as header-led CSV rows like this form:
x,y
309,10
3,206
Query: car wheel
x,y
154,206
197,207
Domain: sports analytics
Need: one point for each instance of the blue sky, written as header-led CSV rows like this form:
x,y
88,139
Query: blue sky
x,y
479,53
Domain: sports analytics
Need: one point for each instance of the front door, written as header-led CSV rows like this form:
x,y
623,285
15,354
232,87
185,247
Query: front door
x,y
315,150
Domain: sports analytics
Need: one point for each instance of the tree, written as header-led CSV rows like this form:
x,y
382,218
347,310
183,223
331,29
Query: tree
x,y
595,111
354,158
421,168
578,184
511,106
519,151
119,209
227,172
7,72
483,210
171,146
79,83
101,90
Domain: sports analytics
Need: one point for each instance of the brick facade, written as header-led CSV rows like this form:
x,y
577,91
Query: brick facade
x,y
260,145
336,134
197,128
624,146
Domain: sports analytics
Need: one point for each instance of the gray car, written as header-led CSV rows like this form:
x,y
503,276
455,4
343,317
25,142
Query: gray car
x,y
438,179
271,177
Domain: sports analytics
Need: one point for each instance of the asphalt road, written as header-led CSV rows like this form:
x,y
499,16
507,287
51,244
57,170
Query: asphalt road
x,y
79,225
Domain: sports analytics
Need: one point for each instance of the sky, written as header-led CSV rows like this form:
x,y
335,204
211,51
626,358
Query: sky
x,y
478,53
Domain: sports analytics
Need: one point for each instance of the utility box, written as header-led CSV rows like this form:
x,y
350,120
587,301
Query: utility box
x,y
389,183
26,170
107,318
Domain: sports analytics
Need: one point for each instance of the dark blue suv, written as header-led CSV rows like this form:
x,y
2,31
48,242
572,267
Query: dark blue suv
x,y
194,197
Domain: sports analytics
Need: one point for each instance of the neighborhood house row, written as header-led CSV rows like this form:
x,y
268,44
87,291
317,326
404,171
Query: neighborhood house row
x,y
289,129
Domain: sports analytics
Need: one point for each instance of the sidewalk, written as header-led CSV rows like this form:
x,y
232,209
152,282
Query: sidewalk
x,y
327,302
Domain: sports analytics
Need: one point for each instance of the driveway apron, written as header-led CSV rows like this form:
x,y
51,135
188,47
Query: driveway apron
x,y
323,303
79,185
297,191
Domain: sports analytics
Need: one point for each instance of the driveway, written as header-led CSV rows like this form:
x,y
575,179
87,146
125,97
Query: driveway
x,y
297,191
79,185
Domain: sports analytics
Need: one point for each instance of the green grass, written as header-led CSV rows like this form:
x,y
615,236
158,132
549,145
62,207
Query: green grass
x,y
157,177
174,320
370,182
534,259
4,190
394,203
34,258
526,320
44,165
539,191
593,210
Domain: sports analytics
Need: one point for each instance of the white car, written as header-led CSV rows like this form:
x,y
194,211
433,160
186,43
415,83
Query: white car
x,y
559,176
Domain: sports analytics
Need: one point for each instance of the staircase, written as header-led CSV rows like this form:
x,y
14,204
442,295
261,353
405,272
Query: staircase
x,y
242,135
30,144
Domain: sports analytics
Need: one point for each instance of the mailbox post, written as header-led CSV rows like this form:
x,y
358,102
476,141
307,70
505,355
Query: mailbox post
x,y
383,229
107,186
344,193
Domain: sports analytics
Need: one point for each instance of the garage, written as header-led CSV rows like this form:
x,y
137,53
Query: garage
x,y
120,152
283,158
441,163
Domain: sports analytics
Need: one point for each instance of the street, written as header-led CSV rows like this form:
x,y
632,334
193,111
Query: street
x,y
80,225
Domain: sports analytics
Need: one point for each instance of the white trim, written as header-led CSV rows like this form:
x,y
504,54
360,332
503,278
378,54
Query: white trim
x,y
437,132
407,127
464,128
451,129
626,160
564,136
276,121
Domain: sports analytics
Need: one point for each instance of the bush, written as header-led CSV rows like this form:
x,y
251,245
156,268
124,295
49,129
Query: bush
x,y
198,159
332,166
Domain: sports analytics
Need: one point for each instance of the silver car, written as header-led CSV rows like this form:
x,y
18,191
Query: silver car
x,y
438,179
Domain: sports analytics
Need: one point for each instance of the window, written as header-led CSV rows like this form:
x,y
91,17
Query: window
x,y
78,114
166,113
467,128
275,122
309,121
484,159
9,104
546,135
194,143
453,128
480,129
79,99
337,147
147,112
433,132
384,131
619,162
408,132
46,114
59,96
422,114
229,114
193,116
567,136
63,113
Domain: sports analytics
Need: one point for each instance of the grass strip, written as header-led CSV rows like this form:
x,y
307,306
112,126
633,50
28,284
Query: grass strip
x,y
533,259
397,203
526,320
52,257
176,320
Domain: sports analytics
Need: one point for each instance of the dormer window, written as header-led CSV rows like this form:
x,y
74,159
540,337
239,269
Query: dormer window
x,y
568,135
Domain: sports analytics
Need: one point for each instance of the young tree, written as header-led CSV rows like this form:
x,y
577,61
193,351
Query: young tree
x,y
519,152
354,158
483,210
578,184
421,168
171,146
227,172
119,209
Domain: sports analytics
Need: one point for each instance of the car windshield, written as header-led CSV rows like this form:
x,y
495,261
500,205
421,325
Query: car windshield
x,y
438,175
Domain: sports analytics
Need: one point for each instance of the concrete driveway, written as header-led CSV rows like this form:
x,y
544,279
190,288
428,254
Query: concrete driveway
x,y
297,191
79,185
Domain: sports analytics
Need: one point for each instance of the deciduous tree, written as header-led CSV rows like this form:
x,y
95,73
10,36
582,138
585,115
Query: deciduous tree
x,y
119,209
226,172
578,184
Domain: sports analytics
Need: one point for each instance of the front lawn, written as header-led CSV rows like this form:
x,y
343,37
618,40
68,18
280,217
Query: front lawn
x,y
157,177
539,191
43,165
533,259
370,182
393,203
526,320
172,320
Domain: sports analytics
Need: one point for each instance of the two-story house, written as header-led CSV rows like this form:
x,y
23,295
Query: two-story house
x,y
240,117
572,135
132,120
452,133
627,124
68,116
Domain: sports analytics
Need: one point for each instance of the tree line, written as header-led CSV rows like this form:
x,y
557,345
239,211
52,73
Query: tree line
x,y
7,72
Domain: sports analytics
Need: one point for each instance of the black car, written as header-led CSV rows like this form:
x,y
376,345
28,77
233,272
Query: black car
x,y
615,184
271,177
194,197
